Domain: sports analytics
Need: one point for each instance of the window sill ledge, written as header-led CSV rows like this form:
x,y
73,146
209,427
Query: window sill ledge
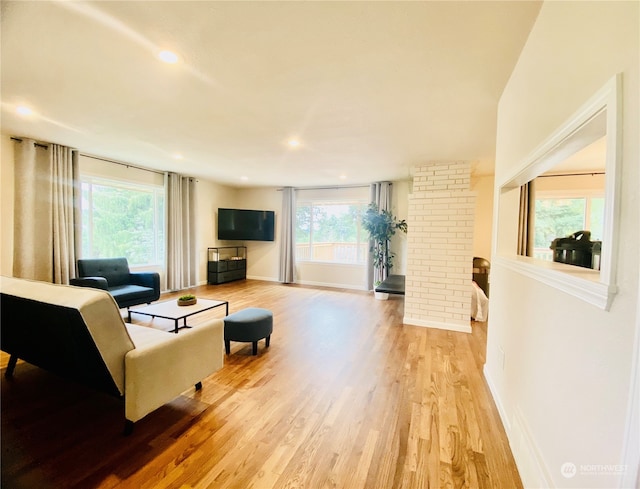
x,y
579,282
330,263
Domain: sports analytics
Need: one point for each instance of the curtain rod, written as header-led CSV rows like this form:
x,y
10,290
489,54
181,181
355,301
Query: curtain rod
x,y
573,174
41,145
334,187
128,165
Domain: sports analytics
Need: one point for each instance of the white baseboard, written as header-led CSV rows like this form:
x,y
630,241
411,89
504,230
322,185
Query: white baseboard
x,y
497,400
331,285
302,282
531,466
264,279
533,470
461,328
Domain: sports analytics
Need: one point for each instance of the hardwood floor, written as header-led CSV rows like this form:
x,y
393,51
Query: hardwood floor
x,y
346,396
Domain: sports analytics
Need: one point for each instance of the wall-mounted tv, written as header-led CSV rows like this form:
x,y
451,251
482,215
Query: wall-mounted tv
x,y
244,224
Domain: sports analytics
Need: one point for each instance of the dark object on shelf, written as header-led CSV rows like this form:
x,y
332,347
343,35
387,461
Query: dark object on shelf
x,y
576,249
481,268
244,224
226,263
393,284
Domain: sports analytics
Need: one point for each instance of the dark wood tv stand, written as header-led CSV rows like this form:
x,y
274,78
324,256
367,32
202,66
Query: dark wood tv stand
x,y
226,263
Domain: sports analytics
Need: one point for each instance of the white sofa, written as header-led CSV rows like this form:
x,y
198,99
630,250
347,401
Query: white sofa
x,y
78,333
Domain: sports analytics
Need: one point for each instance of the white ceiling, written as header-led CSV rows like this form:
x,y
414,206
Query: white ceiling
x,y
369,88
591,158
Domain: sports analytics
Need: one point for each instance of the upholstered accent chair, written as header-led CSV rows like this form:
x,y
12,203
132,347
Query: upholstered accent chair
x,y
113,275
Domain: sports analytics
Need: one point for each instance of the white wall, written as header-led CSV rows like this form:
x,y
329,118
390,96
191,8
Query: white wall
x,y
482,186
114,171
210,196
400,208
563,384
263,257
572,183
6,205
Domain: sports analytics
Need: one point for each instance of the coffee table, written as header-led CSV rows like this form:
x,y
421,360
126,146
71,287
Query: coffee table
x,y
171,310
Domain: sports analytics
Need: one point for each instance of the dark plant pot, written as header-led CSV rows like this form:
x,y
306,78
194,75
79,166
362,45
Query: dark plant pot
x,y
188,302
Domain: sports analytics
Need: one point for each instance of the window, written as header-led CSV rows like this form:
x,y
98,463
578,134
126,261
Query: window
x,y
594,126
122,219
560,215
330,232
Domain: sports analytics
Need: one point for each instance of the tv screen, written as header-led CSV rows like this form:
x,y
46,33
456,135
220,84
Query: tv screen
x,y
243,224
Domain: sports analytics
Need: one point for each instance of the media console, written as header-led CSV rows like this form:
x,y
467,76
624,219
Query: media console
x,y
226,263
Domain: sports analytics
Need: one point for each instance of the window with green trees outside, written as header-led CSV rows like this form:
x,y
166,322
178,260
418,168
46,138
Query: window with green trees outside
x,y
562,216
330,232
122,219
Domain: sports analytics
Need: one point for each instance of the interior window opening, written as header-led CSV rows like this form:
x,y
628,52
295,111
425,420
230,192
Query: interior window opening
x,y
562,210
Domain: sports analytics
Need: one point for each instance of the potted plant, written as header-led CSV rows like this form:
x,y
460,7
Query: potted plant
x,y
187,300
381,226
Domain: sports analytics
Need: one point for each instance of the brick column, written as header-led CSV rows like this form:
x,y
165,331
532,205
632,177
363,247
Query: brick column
x,y
440,247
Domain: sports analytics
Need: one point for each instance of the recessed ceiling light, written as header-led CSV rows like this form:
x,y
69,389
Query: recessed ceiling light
x,y
22,110
168,56
178,156
294,143
343,177
244,179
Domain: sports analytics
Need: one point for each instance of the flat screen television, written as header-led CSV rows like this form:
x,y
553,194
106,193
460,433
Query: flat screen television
x,y
244,224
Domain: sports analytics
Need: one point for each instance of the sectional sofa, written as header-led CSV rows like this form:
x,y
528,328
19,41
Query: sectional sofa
x,y
78,333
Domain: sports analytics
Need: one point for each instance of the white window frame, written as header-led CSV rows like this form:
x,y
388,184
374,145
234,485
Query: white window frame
x,y
587,195
155,190
362,238
597,288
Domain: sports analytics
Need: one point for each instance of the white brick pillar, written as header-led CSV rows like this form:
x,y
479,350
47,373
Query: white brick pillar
x,y
440,247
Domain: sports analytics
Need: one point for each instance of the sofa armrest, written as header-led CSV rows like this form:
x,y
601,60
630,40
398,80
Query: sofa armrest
x,y
93,282
157,372
147,279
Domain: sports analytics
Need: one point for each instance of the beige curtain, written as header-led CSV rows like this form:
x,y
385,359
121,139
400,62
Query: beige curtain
x,y
525,219
288,236
64,162
44,235
181,231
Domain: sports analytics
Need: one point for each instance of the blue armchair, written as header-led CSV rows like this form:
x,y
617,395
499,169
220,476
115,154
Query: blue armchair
x,y
113,275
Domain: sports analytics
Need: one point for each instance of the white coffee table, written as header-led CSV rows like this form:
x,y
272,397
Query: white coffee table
x,y
171,310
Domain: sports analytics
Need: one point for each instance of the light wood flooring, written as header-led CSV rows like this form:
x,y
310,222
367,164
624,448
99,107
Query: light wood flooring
x,y
346,396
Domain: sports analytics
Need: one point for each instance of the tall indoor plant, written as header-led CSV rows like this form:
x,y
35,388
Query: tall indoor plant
x,y
381,225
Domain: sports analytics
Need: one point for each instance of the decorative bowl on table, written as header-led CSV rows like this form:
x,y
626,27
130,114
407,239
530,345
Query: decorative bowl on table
x,y
187,300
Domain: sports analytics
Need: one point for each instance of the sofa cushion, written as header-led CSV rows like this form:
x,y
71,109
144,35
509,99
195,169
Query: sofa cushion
x,y
126,293
143,336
